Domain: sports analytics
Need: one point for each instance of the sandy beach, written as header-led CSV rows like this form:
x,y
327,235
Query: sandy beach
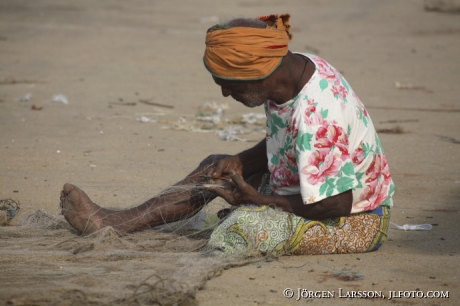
x,y
113,97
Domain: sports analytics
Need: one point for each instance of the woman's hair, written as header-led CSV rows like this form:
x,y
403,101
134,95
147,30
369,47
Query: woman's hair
x,y
239,22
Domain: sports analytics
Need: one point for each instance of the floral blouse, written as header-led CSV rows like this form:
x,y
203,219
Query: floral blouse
x,y
323,142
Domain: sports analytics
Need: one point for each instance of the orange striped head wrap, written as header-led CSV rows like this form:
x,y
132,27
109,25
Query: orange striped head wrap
x,y
245,53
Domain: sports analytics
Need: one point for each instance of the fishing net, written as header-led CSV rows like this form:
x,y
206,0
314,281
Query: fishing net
x,y
46,262
8,209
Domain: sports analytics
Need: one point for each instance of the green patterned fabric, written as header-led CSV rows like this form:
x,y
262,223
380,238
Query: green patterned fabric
x,y
252,230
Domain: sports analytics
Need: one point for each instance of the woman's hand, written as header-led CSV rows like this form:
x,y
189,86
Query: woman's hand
x,y
240,192
223,167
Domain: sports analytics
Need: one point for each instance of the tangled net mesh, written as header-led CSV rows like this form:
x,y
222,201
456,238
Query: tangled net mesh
x,y
8,209
46,262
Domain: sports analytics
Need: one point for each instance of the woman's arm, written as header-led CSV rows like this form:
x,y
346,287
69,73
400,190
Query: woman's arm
x,y
332,207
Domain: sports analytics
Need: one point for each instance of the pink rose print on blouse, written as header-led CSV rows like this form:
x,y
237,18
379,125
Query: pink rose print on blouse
x,y
321,164
377,184
274,108
291,159
281,176
292,129
358,156
311,107
331,135
360,104
314,119
372,196
326,71
379,167
339,92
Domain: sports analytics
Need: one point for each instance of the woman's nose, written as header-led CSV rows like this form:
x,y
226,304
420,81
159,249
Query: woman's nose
x,y
225,91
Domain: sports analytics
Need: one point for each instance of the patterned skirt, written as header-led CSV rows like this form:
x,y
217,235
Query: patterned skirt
x,y
253,230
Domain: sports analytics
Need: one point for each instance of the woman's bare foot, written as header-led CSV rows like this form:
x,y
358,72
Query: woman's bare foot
x,y
87,217
77,208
